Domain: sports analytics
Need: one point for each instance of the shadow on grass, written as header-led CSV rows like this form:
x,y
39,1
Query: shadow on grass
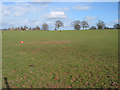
x,y
6,83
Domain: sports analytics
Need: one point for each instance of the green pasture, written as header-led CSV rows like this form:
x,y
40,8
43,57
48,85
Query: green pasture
x,y
54,59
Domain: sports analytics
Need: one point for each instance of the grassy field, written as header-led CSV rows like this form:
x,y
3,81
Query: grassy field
x,y
53,59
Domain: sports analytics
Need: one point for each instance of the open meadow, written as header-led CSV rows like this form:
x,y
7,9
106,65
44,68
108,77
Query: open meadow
x,y
54,59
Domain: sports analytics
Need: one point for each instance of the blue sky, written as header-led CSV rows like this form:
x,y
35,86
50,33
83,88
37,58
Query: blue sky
x,y
16,14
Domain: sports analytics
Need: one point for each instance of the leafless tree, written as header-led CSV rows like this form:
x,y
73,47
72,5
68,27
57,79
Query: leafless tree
x,y
84,24
93,27
106,27
25,27
45,26
37,28
100,24
76,25
58,24
30,28
21,28
116,26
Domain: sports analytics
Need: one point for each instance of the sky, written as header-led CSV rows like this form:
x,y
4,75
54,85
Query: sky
x,y
16,14
60,0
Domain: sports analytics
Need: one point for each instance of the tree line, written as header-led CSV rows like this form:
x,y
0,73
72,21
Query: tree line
x,y
77,25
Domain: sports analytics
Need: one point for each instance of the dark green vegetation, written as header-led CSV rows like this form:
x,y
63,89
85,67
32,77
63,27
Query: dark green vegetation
x,y
83,59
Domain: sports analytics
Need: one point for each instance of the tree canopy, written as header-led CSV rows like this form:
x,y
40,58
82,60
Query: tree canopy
x,y
76,25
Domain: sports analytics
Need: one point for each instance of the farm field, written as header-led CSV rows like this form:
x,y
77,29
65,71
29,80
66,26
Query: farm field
x,y
67,59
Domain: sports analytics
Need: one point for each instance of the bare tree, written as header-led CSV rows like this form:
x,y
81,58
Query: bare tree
x,y
100,24
58,24
45,26
33,29
30,28
17,28
37,28
55,29
21,28
93,27
106,27
116,26
76,25
84,24
25,27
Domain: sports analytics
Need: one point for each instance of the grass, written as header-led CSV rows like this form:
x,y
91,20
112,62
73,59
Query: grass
x,y
53,59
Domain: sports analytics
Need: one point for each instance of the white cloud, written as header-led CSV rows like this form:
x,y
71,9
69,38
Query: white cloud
x,y
15,9
18,9
90,18
22,9
55,15
116,21
63,8
111,23
17,13
37,23
6,12
81,7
